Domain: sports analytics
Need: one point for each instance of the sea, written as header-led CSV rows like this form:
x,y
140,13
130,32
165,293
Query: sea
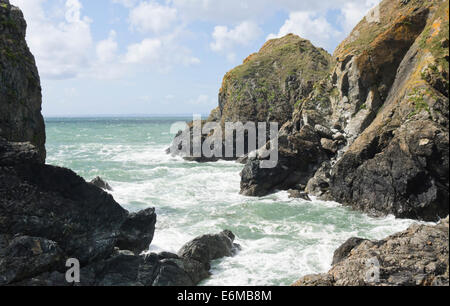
x,y
282,239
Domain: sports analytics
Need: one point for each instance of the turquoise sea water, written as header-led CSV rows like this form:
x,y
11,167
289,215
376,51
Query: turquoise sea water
x,y
282,239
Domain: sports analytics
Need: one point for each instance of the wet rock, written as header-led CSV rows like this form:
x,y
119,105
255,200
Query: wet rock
x,y
206,248
100,183
136,233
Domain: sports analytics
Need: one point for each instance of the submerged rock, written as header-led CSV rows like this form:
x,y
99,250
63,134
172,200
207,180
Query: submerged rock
x,y
415,257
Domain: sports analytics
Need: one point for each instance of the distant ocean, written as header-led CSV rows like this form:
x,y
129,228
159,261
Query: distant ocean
x,y
282,239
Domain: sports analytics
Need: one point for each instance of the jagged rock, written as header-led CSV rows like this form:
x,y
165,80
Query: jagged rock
x,y
268,85
329,145
22,257
100,183
55,205
344,250
20,89
381,120
300,155
297,194
415,257
136,233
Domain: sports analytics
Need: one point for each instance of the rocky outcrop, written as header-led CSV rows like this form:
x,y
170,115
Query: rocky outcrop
x,y
49,214
124,268
374,134
20,89
416,257
269,84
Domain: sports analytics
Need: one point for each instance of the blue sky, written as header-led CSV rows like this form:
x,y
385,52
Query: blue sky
x,y
119,57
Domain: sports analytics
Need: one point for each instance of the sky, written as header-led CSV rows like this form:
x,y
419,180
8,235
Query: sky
x,y
163,57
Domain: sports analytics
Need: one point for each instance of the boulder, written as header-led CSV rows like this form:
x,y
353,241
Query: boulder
x,y
206,248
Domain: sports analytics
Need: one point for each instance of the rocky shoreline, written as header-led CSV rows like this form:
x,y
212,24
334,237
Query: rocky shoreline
x,y
367,127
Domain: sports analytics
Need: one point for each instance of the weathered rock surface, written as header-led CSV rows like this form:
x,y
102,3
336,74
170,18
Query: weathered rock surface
x,y
124,268
268,85
20,89
418,256
52,214
374,133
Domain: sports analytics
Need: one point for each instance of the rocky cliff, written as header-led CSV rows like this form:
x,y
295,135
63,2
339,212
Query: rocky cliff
x,y
20,89
415,257
374,133
269,84
49,214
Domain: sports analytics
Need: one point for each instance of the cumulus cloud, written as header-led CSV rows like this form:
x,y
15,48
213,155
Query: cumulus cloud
x,y
152,17
61,47
353,12
225,39
310,26
162,52
107,49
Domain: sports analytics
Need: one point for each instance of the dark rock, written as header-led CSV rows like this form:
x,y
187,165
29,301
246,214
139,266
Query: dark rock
x,y
300,155
20,89
23,257
206,248
55,205
136,233
100,183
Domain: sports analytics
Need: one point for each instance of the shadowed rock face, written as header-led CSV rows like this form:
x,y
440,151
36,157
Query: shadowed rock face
x,y
374,133
20,89
51,214
415,257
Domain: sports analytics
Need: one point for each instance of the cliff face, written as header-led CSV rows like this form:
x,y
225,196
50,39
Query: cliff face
x,y
268,85
374,134
20,90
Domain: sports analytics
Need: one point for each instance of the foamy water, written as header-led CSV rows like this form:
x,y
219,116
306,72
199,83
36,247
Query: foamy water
x,y
282,239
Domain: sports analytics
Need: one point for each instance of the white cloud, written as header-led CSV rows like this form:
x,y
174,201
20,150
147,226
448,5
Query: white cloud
x,y
107,49
353,12
163,53
152,17
61,47
126,3
310,26
203,100
225,40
